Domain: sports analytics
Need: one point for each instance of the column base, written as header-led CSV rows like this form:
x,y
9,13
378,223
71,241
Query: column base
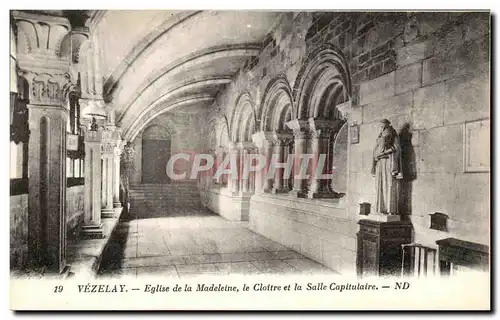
x,y
92,232
281,190
117,204
297,194
108,213
323,195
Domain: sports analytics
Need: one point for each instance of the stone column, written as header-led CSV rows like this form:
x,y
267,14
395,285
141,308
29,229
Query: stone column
x,y
263,141
219,158
319,142
246,149
299,133
243,163
233,179
108,154
92,226
287,156
279,153
49,81
116,177
252,175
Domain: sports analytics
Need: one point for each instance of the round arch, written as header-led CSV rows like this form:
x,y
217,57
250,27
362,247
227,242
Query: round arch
x,y
277,105
323,82
243,121
156,132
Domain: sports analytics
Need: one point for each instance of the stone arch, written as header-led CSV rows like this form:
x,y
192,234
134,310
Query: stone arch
x,y
156,132
212,133
243,123
323,82
224,134
219,132
277,105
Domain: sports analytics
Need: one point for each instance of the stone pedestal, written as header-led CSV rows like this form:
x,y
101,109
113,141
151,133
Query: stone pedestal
x,y
92,226
379,250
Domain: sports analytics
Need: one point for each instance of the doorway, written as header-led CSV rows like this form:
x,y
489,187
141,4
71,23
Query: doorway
x,y
155,155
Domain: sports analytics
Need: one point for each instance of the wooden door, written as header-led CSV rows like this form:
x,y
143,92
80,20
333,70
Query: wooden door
x,y
155,155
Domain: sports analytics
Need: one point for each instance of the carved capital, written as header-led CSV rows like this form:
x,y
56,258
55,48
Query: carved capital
x,y
111,133
118,151
92,136
48,89
345,109
247,145
108,148
282,139
297,125
319,128
263,138
40,40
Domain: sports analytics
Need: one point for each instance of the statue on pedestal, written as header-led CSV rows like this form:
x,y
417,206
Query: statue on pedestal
x,y
387,169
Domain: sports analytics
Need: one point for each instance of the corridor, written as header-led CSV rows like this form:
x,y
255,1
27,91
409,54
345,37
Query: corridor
x,y
194,242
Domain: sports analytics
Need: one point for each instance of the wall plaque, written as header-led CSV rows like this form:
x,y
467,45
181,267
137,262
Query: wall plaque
x,y
72,142
477,146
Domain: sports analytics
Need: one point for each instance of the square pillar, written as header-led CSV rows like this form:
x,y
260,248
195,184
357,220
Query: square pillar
x,y
116,178
47,186
92,226
108,210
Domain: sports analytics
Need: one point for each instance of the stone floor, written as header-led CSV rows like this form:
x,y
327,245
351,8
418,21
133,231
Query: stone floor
x,y
197,242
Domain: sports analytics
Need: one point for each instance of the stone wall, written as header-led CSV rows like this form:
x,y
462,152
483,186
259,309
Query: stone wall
x,y
74,210
428,73
440,81
18,231
221,201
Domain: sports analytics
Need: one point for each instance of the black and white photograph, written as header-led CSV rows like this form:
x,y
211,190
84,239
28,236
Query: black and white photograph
x,y
332,152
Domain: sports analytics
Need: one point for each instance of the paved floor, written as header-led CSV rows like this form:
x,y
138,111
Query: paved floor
x,y
197,242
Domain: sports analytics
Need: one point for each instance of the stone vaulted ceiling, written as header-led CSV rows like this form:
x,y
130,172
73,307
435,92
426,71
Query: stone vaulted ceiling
x,y
155,61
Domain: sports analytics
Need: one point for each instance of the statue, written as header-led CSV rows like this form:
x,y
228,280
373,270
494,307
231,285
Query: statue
x,y
386,169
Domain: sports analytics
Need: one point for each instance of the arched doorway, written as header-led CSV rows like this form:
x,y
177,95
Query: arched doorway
x,y
156,144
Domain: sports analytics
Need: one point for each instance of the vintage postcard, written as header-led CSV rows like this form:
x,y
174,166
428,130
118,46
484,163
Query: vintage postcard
x,y
249,160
